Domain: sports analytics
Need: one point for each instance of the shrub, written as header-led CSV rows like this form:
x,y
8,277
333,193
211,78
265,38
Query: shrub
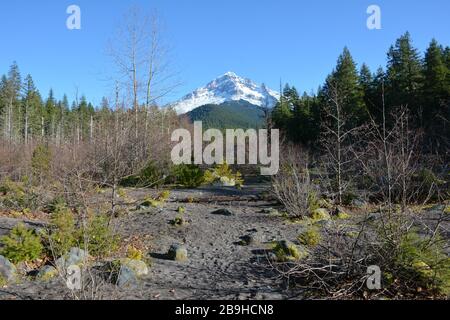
x,y
423,262
164,196
152,175
63,234
41,162
101,240
225,175
134,253
178,221
287,251
293,188
14,195
310,237
189,176
21,245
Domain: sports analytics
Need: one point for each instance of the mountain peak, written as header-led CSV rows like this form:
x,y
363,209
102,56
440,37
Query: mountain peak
x,y
228,87
230,74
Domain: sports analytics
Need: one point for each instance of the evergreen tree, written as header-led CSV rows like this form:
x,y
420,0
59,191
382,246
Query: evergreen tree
x,y
345,79
404,76
436,94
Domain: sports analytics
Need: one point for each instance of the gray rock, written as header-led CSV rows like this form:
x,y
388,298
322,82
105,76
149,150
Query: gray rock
x,y
47,273
178,252
358,203
139,267
8,272
271,211
127,277
251,239
75,256
223,212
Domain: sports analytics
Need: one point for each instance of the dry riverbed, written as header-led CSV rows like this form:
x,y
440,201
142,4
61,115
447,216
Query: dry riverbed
x,y
218,265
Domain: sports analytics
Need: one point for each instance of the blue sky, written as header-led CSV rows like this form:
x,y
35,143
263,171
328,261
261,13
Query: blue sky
x,y
297,41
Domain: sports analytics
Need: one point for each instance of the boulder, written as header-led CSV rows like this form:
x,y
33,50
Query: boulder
x,y
251,239
47,272
223,212
75,256
227,182
126,277
178,252
8,271
139,267
358,203
131,271
271,211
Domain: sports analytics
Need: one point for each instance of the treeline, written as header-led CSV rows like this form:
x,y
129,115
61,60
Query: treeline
x,y
420,84
27,117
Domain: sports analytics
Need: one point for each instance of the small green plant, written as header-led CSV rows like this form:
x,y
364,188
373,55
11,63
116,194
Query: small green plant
x,y
310,237
287,251
447,210
425,261
178,221
21,245
164,196
101,240
181,209
188,176
320,215
313,201
134,253
63,232
3,282
223,173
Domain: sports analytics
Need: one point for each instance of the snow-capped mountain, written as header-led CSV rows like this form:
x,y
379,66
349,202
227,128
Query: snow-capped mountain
x,y
228,87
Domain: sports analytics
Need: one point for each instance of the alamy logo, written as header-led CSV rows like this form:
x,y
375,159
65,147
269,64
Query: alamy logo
x,y
73,281
374,20
73,22
232,152
374,279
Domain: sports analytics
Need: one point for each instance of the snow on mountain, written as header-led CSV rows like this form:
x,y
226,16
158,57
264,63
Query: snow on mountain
x,y
228,87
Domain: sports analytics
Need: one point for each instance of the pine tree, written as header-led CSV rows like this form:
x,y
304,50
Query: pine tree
x,y
436,94
345,79
31,106
282,112
404,76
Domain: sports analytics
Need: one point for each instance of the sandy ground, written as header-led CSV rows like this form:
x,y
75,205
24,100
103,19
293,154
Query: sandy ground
x,y
218,266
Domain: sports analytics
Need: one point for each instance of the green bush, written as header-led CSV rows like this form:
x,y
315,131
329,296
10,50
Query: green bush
x,y
423,262
101,240
223,173
64,233
21,245
152,175
189,176
313,202
287,251
41,162
310,237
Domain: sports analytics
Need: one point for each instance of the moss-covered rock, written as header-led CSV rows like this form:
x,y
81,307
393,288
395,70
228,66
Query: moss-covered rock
x,y
46,273
288,251
178,252
320,214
